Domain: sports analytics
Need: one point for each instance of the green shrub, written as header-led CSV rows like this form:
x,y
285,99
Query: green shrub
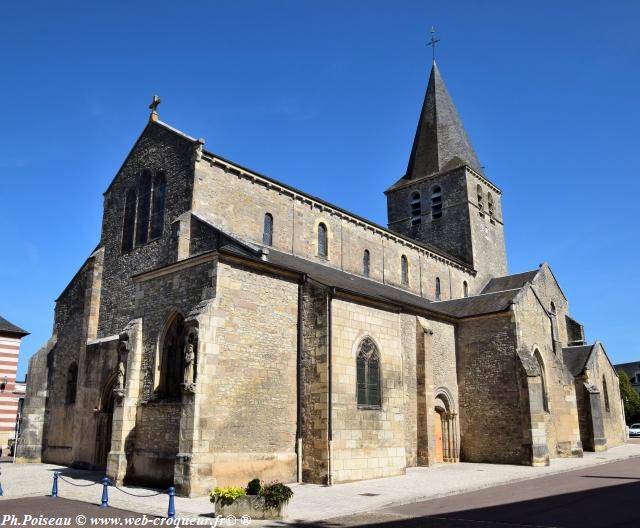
x,y
226,496
254,487
275,494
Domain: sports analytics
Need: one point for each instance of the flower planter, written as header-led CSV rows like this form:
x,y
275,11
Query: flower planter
x,y
253,506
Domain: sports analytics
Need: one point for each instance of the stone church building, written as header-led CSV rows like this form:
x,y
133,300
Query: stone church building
x,y
229,326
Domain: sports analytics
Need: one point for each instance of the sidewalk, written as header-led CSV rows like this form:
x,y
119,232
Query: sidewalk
x,y
310,502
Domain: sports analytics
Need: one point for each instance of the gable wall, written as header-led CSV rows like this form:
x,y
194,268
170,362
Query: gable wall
x,y
157,149
534,333
613,420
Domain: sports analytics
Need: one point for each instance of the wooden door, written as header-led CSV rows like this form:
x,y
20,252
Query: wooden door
x,y
439,438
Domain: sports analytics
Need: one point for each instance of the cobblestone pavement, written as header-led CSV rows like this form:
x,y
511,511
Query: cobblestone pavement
x,y
310,502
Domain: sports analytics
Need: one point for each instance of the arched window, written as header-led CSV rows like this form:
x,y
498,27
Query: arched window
x,y
543,382
267,230
323,250
490,205
366,262
129,222
480,199
404,270
436,202
438,290
465,289
605,393
416,209
157,206
553,308
172,358
72,384
144,204
368,374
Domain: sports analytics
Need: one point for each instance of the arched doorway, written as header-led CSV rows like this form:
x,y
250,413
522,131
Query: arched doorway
x,y
446,430
104,421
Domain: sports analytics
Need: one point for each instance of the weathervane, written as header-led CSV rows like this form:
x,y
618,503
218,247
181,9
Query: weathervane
x,y
154,108
433,42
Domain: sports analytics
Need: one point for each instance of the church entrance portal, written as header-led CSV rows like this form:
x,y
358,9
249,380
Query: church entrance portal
x,y
445,431
104,422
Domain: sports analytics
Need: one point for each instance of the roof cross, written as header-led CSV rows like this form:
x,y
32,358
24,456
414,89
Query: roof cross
x,y
433,42
154,107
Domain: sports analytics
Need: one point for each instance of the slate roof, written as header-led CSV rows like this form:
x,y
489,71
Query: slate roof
x,y
441,142
576,357
629,369
482,304
9,328
510,282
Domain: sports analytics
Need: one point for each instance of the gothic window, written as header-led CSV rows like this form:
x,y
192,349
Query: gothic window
x,y
465,289
129,222
368,374
267,230
490,205
605,393
172,359
323,250
553,308
144,203
366,261
436,202
543,382
480,199
404,270
72,384
438,290
157,205
416,209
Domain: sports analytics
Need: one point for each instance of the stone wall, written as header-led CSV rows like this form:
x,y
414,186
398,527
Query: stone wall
x,y
315,373
535,334
247,416
237,202
599,368
67,423
491,425
367,443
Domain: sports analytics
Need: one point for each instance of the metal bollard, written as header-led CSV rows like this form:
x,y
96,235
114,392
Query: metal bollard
x,y
171,512
105,493
54,488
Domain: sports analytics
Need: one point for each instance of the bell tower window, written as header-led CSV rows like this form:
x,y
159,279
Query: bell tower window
x,y
416,209
436,202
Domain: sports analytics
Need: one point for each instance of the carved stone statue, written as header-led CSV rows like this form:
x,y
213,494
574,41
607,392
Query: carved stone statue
x,y
123,350
190,348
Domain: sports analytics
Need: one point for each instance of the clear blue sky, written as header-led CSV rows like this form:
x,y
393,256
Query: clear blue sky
x,y
325,96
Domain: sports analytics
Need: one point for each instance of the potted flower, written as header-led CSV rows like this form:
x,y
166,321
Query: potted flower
x,y
256,501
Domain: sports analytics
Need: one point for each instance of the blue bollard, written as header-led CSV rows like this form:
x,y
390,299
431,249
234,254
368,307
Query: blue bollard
x,y
105,493
171,513
54,488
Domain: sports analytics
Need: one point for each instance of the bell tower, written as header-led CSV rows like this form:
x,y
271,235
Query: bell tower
x,y
444,199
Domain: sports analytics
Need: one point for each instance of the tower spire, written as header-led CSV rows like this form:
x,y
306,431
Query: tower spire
x,y
441,142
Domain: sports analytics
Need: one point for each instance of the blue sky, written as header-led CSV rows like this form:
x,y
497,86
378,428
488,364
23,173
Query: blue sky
x,y
325,96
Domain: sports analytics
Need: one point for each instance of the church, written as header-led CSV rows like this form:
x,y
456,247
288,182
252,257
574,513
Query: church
x,y
229,326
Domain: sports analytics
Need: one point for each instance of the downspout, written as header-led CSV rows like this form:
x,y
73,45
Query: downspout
x,y
301,284
330,387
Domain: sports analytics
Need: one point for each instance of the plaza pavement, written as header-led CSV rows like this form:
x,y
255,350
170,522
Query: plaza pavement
x,y
310,502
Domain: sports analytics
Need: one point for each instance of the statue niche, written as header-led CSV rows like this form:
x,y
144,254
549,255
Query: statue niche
x,y
190,361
